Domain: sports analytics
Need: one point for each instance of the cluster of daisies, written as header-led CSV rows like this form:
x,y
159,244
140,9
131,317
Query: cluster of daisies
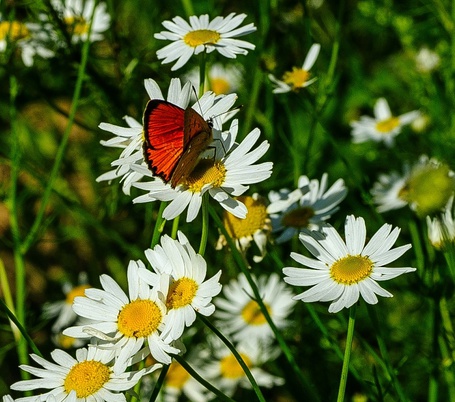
x,y
133,334
83,20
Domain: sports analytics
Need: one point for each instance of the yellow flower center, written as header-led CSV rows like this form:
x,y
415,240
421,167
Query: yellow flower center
x,y
176,376
230,367
255,220
296,78
75,292
387,125
252,313
86,378
429,188
201,37
220,85
77,25
13,30
351,269
139,319
206,172
298,218
181,293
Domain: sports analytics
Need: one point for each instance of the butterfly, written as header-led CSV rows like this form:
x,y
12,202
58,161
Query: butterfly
x,y
174,139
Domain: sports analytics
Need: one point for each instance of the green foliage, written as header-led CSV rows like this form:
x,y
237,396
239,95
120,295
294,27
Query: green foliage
x,y
404,350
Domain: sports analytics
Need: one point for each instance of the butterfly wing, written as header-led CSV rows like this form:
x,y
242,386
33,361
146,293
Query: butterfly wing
x,y
164,137
197,136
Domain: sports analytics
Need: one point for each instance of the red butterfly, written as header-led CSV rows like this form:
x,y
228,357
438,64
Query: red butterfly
x,y
174,139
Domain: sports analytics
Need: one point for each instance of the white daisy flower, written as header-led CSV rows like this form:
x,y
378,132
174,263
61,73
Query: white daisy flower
x,y
255,227
225,372
183,284
383,126
222,79
427,60
239,314
77,14
202,35
126,322
88,377
130,167
345,270
308,206
63,309
130,139
298,77
30,39
226,172
426,187
441,229
178,381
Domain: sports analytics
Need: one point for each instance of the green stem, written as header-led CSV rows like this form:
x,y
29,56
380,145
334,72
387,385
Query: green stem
x,y
159,225
385,354
198,378
311,395
236,355
188,7
175,227
33,232
447,346
19,261
433,387
16,322
159,383
202,69
205,224
347,354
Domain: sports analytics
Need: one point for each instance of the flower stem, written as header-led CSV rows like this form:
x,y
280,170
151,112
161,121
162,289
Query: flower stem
x,y
202,69
197,377
347,354
159,383
33,232
188,7
159,225
205,224
236,355
310,393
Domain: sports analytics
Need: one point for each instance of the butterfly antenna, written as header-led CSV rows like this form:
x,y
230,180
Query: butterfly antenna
x,y
197,101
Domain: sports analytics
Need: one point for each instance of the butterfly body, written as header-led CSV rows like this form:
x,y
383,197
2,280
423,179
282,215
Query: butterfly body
x,y
174,139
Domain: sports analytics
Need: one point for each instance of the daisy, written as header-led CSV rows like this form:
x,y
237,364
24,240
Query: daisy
x,y
130,139
441,230
383,126
130,167
225,372
426,187
63,309
88,377
221,79
298,77
224,171
343,271
308,206
255,227
30,39
127,322
185,289
178,381
239,314
77,15
201,35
